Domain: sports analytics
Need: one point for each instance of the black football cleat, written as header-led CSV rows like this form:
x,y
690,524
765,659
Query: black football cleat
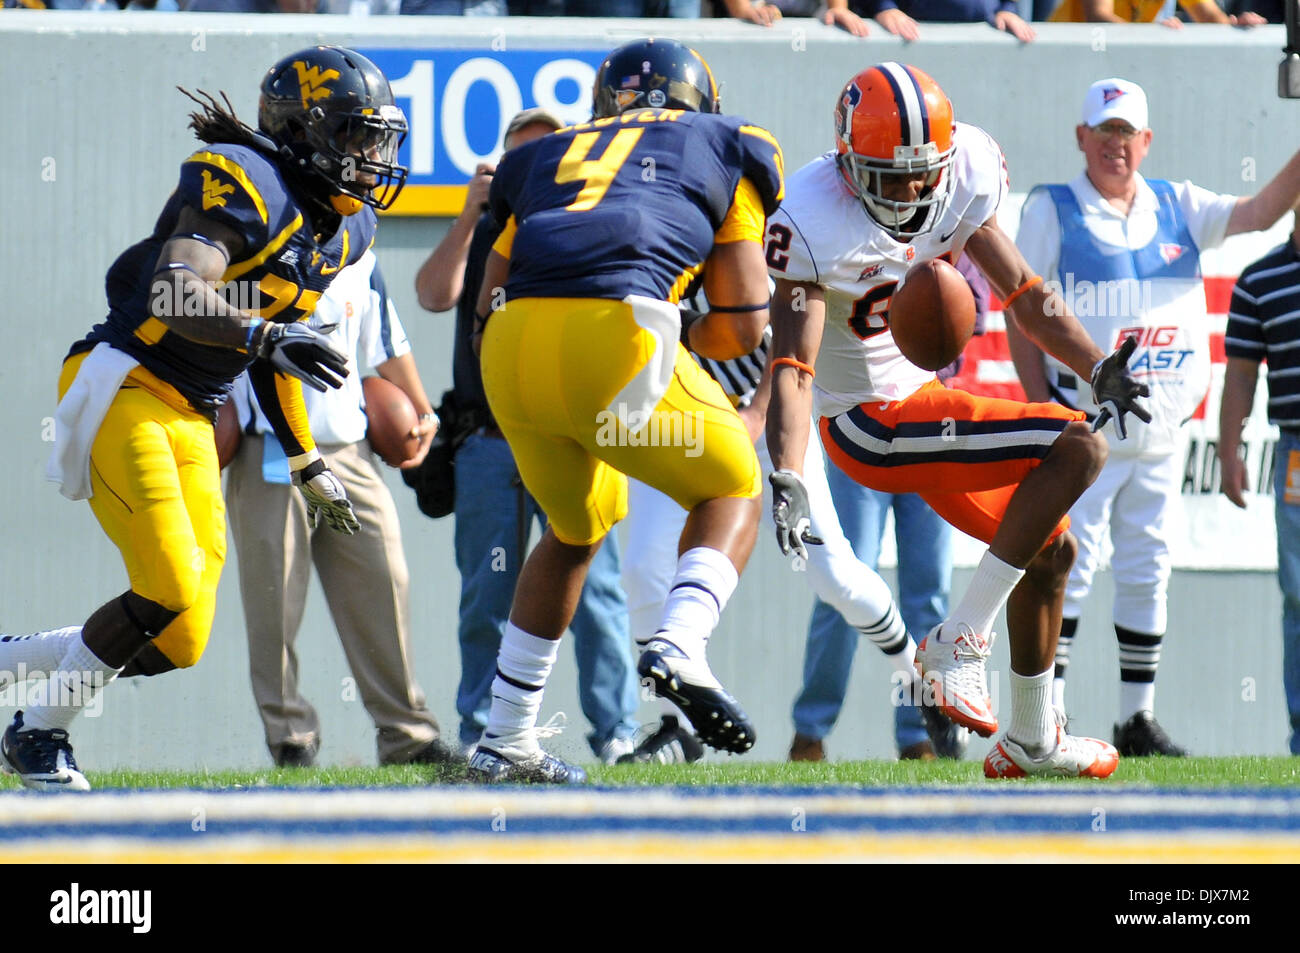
x,y
716,716
948,738
1141,737
42,759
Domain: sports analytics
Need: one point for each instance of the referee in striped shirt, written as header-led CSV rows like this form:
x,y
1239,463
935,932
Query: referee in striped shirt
x,y
1264,325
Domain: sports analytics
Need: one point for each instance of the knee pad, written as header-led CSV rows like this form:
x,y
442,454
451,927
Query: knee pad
x,y
148,661
145,614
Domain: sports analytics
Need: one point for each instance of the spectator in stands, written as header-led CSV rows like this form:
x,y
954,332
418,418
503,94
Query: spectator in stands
x,y
364,576
251,6
494,513
900,17
1125,253
454,8
1147,11
1261,328
832,13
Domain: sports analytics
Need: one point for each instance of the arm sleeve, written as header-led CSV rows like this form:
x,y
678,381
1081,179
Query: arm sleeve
x,y
745,220
762,162
1245,336
218,187
1039,237
382,335
280,397
1207,213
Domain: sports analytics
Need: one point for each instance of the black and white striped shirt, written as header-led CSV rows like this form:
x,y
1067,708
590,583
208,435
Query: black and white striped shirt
x,y
739,376
1264,324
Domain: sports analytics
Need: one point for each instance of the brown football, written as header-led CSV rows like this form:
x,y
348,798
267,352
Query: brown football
x,y
227,433
932,314
391,417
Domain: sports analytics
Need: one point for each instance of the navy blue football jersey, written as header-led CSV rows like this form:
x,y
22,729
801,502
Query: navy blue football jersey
x,y
629,204
280,275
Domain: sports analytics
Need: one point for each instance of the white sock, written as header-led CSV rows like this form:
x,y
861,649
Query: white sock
x,y
73,684
34,656
703,584
984,598
1135,697
1058,693
524,663
1033,723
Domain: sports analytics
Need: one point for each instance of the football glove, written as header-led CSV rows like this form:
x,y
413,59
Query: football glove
x,y
1115,392
326,498
791,513
303,352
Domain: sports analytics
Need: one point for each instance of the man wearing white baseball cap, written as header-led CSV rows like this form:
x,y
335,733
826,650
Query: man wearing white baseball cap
x,y
1125,253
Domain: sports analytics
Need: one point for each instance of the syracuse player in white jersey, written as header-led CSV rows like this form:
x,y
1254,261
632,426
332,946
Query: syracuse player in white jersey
x,y
907,184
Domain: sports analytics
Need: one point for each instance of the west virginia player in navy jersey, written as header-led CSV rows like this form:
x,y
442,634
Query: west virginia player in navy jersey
x,y
605,225
258,224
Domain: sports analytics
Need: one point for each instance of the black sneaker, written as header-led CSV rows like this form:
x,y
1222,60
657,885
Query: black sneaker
x,y
948,738
436,752
488,767
716,717
670,744
1141,736
290,754
42,759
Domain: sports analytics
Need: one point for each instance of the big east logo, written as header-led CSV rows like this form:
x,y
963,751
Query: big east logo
x,y
1155,351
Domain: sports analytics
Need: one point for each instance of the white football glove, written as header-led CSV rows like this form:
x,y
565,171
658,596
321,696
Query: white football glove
x,y
326,498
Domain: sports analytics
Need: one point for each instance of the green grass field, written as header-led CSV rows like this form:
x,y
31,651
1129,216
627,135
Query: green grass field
x,y
1247,772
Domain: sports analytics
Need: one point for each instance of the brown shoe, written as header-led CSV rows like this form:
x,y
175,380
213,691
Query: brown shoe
x,y
921,751
804,748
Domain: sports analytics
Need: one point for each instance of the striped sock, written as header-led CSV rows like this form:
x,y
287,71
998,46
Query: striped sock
x,y
1139,657
890,636
73,686
1063,646
700,590
523,664
34,656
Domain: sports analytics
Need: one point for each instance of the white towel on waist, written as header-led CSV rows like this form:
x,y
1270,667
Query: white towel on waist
x,y
80,413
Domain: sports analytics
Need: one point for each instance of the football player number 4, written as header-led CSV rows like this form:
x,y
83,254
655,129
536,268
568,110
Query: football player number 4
x,y
595,174
870,312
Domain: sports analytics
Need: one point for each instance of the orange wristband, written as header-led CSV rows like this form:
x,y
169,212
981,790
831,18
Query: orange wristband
x,y
1036,280
793,362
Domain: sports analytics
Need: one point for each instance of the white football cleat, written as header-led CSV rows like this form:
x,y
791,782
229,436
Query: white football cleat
x,y
1072,757
955,671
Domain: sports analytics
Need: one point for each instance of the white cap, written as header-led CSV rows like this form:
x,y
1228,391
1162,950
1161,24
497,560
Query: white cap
x,y
1115,99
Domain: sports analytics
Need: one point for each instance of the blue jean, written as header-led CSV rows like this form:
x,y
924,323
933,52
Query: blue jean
x,y
924,579
1287,516
488,555
632,8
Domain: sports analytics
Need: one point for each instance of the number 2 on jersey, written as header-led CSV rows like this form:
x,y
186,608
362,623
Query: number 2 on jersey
x,y
595,174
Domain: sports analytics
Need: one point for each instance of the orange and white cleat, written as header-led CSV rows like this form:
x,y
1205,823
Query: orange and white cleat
x,y
954,671
1072,757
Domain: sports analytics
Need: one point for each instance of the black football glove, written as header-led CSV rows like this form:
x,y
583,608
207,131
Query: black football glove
x,y
303,352
1115,392
326,498
791,512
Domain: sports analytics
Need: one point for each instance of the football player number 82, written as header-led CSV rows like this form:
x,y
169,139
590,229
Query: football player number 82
x,y
870,312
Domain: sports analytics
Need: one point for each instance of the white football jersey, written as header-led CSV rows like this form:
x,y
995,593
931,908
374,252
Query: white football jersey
x,y
823,234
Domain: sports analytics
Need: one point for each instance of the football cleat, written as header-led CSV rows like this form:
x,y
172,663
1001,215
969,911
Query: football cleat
x,y
669,744
804,748
955,672
42,759
1072,757
488,767
1141,736
948,738
716,716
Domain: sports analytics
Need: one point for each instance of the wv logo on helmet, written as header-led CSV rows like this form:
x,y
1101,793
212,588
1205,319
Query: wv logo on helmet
x,y
311,82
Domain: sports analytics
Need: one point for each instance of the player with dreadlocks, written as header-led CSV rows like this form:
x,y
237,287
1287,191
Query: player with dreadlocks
x,y
258,225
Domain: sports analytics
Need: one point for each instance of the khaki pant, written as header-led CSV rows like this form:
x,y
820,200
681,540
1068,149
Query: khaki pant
x,y
365,581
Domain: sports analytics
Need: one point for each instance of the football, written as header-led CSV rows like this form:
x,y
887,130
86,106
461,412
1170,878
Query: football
x,y
932,314
227,434
391,417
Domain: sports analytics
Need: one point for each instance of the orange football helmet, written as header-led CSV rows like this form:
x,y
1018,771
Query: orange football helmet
x,y
893,119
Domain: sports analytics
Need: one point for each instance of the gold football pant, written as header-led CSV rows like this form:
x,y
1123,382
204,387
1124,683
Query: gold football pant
x,y
590,390
157,494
